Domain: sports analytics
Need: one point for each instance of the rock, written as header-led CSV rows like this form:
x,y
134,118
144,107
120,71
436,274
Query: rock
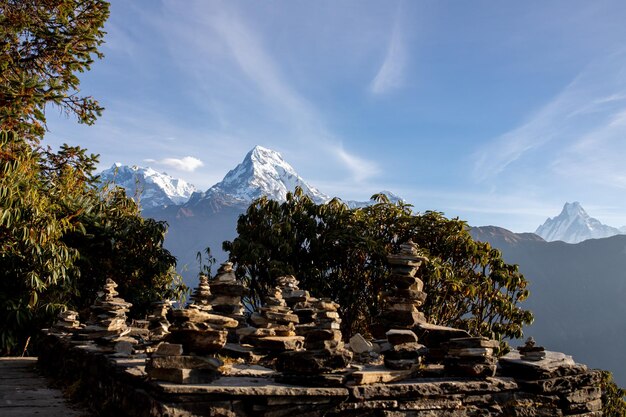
x,y
378,375
280,343
169,349
123,347
359,344
185,362
472,342
199,341
400,336
313,362
471,352
183,376
471,356
531,352
554,364
401,364
199,316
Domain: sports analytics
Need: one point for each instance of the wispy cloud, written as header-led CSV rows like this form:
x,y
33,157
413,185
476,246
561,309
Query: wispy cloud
x,y
597,157
390,75
220,32
580,130
187,163
360,168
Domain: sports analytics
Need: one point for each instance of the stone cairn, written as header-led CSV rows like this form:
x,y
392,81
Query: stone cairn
x,y
275,326
67,323
107,323
531,352
158,323
471,356
201,297
194,338
324,357
401,312
225,297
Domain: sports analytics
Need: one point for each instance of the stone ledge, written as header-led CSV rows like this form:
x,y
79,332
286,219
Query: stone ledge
x,y
116,386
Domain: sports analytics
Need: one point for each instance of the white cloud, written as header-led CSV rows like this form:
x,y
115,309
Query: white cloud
x,y
187,163
391,72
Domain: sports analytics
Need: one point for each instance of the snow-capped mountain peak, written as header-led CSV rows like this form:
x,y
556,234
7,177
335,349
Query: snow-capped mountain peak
x,y
574,225
263,172
149,187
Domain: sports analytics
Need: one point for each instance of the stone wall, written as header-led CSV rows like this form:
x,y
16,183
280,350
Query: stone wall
x,y
114,385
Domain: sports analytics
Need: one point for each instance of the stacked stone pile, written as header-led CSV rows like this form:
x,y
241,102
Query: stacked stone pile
x,y
67,323
404,352
225,299
402,302
300,301
275,326
201,296
107,323
471,356
436,338
531,351
158,322
290,291
570,387
324,359
198,331
168,363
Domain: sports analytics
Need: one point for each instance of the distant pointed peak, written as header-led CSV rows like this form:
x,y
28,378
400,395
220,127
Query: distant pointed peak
x,y
574,209
261,154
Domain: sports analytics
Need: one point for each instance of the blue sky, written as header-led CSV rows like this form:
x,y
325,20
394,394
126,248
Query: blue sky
x,y
496,112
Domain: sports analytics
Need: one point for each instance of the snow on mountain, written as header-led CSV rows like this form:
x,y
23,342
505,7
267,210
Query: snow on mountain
x,y
149,187
393,198
574,225
263,172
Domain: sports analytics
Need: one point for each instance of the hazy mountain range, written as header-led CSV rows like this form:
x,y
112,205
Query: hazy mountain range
x,y
574,225
577,289
577,293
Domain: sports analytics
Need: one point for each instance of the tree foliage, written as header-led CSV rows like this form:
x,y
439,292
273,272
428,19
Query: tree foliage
x,y
61,236
342,253
613,397
44,44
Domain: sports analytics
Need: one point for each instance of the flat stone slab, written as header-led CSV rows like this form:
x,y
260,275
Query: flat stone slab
x,y
249,386
433,387
380,374
553,365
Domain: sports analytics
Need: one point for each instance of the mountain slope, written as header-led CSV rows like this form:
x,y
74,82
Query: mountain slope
x,y
210,217
574,225
263,172
577,294
149,187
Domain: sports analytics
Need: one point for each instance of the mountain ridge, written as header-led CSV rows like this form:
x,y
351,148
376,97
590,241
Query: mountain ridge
x,y
150,188
574,225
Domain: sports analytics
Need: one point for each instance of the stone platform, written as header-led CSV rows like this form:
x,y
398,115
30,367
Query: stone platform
x,y
119,386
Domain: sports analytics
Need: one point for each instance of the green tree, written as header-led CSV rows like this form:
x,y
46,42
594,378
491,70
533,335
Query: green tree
x,y
44,44
62,236
342,253
613,397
